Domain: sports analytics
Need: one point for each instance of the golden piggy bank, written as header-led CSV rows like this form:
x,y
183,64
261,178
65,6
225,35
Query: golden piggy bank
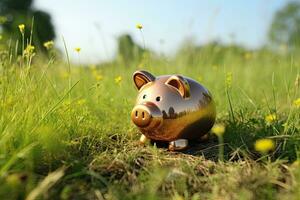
x,y
172,108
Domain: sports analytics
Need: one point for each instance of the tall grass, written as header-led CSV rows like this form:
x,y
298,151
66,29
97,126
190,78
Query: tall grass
x,y
55,114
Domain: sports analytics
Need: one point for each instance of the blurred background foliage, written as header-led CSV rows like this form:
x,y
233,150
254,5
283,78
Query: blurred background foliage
x,y
283,38
283,35
16,12
128,50
285,28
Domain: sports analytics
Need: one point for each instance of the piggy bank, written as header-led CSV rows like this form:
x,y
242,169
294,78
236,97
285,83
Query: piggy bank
x,y
172,109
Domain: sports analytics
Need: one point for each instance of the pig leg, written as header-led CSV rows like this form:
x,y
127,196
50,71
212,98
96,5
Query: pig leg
x,y
143,139
178,145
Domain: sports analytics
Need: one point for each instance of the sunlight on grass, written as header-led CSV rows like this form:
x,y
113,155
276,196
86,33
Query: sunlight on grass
x,y
66,130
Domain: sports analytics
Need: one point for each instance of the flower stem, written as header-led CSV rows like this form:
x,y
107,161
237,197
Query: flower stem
x,y
221,148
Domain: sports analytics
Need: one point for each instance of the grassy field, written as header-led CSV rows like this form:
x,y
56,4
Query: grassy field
x,y
65,130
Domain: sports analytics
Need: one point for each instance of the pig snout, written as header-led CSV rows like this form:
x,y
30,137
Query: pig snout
x,y
146,116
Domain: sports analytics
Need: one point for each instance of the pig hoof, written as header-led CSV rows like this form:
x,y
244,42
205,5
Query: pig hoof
x,y
178,145
143,140
204,137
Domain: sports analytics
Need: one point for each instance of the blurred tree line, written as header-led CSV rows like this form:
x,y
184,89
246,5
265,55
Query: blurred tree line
x,y
283,32
285,27
128,50
16,12
283,36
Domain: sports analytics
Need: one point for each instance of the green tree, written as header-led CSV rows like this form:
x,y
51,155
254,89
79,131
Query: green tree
x,y
285,27
128,50
15,12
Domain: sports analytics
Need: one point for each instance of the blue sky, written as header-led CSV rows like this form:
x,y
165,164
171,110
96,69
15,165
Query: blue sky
x,y
94,25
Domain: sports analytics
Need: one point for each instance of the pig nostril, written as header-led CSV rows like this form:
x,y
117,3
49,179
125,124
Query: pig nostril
x,y
143,115
136,113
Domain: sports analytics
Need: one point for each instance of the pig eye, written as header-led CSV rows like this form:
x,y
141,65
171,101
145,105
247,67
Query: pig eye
x,y
144,96
158,98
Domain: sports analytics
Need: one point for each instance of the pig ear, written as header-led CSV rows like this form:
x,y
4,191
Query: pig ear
x,y
141,78
179,83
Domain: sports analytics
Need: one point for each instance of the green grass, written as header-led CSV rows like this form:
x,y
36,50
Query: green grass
x,y
69,136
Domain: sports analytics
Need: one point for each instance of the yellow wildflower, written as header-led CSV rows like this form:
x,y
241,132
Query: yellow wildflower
x,y
81,101
285,125
67,102
49,44
218,129
22,28
1,37
13,180
98,77
270,118
297,103
29,50
248,56
228,79
264,145
8,102
118,79
3,19
139,26
77,49
200,78
65,74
